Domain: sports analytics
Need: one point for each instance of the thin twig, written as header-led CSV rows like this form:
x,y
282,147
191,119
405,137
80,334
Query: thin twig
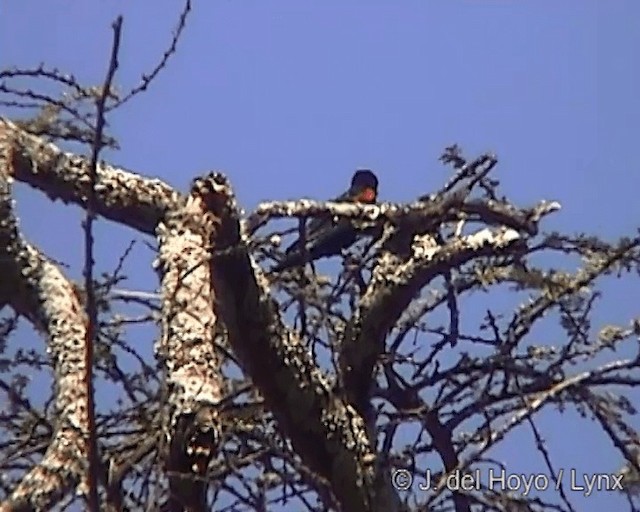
x,y
547,460
302,230
92,452
148,78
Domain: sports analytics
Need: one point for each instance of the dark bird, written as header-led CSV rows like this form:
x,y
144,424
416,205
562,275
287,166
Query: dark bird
x,y
326,236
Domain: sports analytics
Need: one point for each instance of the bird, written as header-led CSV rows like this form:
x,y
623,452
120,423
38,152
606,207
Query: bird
x,y
326,236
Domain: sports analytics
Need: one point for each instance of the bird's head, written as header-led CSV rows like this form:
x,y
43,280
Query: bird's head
x,y
364,186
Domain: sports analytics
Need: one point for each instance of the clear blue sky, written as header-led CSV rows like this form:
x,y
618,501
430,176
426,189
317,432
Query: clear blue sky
x,y
288,97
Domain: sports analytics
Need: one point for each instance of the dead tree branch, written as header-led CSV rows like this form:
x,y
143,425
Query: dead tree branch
x,y
187,348
92,313
38,291
120,195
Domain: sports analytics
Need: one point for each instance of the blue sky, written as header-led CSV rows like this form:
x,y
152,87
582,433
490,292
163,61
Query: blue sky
x,y
288,97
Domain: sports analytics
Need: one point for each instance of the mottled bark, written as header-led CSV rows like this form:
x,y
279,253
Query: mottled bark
x,y
186,346
121,196
327,432
193,368
37,289
343,449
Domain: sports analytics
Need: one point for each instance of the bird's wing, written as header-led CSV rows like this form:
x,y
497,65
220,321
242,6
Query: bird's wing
x,y
326,242
332,240
318,225
314,229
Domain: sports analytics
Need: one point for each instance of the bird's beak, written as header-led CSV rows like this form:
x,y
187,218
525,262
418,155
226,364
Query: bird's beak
x,y
368,195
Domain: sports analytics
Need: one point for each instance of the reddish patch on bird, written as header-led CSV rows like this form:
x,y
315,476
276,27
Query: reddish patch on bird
x,y
368,195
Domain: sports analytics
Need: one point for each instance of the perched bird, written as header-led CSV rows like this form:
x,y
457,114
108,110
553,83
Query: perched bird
x,y
325,236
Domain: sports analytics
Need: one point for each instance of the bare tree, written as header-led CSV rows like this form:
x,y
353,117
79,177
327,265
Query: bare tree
x,y
292,389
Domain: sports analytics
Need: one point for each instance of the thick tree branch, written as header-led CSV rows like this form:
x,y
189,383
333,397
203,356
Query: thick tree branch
x,y
393,286
187,349
436,210
40,292
121,196
328,434
395,282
